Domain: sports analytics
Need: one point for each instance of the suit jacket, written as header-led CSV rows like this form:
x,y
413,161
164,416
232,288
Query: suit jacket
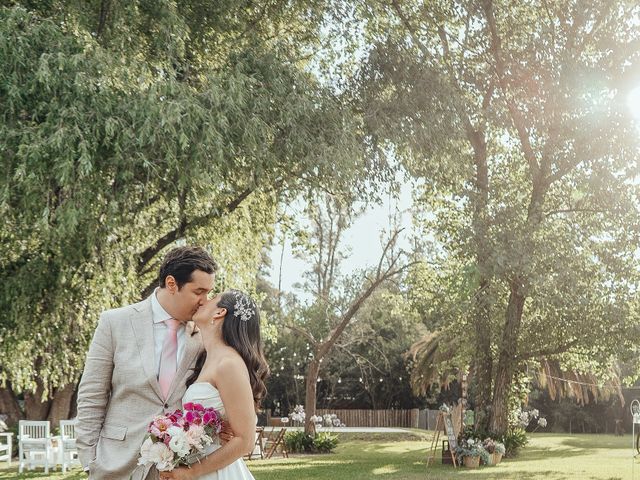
x,y
119,392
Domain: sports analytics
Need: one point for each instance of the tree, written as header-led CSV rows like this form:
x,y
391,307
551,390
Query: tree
x,y
515,116
366,369
129,127
335,299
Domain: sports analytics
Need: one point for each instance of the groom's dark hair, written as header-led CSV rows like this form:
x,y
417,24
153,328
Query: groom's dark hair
x,y
181,262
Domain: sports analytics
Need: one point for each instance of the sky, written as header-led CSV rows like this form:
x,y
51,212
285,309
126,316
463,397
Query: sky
x,y
362,239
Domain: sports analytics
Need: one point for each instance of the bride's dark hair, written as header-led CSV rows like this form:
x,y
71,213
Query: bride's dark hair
x,y
241,331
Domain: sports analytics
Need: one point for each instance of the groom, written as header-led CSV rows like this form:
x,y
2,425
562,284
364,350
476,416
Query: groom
x,y
137,364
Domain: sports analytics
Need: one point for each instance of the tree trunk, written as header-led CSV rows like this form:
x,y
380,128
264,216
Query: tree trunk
x,y
61,404
483,361
34,407
498,422
483,358
9,405
310,400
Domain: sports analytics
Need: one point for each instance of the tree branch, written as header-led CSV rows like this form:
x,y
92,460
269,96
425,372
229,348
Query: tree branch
x,y
545,352
516,116
355,306
302,332
147,255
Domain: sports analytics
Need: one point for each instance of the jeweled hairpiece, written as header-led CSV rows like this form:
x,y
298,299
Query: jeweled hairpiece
x,y
243,307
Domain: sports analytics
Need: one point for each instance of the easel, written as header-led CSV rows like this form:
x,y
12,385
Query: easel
x,y
443,424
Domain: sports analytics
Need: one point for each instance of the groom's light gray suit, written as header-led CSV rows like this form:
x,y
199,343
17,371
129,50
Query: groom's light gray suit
x,y
119,392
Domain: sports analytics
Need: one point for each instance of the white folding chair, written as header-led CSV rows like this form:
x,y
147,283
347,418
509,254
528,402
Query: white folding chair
x,y
69,450
6,448
34,444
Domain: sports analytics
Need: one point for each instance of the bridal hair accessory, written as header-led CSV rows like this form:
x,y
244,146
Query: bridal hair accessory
x,y
243,307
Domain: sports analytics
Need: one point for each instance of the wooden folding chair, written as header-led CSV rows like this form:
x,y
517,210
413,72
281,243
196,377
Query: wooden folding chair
x,y
257,445
278,441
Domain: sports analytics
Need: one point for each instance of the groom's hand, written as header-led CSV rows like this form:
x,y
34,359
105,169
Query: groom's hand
x,y
226,433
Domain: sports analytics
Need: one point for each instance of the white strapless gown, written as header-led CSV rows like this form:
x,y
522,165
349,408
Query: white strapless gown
x,y
208,396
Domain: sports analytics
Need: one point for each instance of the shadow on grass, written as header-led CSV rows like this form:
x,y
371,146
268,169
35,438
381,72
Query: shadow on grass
x,y
601,441
12,473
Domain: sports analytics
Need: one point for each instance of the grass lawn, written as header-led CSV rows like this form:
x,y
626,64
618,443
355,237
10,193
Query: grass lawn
x,y
402,457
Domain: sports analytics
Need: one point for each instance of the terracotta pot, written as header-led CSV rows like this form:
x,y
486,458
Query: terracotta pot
x,y
471,462
496,458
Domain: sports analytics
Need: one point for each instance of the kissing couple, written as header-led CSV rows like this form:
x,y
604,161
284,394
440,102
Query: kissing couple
x,y
175,347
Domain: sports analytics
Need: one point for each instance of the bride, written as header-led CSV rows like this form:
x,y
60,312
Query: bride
x,y
229,376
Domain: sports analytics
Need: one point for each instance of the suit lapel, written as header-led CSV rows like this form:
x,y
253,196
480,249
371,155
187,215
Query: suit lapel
x,y
193,346
142,324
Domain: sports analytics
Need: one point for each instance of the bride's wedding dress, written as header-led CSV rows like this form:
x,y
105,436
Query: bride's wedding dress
x,y
208,396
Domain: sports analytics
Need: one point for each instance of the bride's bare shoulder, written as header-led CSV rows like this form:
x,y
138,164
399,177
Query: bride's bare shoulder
x,y
230,363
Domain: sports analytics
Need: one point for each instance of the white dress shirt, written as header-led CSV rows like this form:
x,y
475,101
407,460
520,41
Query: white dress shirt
x,y
159,315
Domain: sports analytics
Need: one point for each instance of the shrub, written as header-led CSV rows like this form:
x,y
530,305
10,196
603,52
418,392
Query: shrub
x,y
513,440
300,442
325,442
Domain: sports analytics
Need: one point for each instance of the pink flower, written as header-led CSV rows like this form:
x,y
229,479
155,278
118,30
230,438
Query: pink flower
x,y
159,426
188,406
191,416
198,407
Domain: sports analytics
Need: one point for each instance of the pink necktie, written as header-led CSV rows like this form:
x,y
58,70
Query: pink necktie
x,y
169,359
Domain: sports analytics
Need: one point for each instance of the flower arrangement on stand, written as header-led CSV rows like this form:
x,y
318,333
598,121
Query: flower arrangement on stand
x,y
328,420
298,415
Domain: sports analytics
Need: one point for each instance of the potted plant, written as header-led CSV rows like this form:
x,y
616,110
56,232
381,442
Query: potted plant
x,y
495,449
498,453
471,451
489,445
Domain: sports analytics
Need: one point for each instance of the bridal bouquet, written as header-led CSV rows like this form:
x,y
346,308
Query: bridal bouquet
x,y
180,438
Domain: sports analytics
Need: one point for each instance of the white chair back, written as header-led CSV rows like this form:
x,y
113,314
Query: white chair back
x,y
33,429
68,429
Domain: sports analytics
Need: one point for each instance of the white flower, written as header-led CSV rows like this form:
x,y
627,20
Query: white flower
x,y
145,452
160,454
297,417
535,412
336,422
178,442
3,426
542,422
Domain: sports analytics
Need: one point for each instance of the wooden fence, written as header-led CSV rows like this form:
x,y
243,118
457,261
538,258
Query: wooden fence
x,y
370,418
